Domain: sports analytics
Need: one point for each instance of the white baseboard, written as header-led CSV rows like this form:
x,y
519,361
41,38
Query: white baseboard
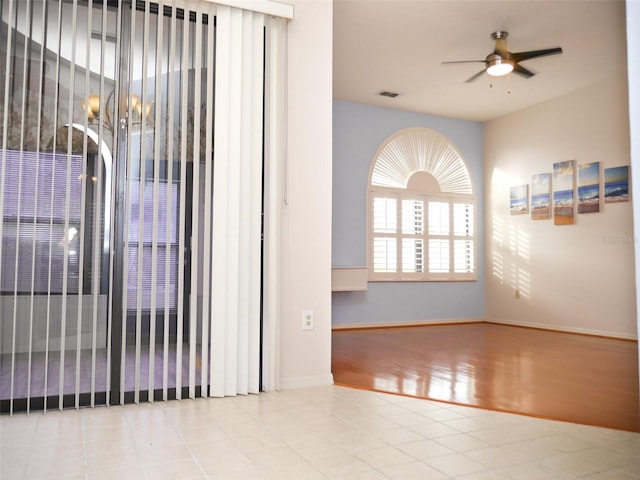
x,y
305,382
559,328
415,323
554,328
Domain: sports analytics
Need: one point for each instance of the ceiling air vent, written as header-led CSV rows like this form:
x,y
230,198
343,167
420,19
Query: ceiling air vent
x,y
385,93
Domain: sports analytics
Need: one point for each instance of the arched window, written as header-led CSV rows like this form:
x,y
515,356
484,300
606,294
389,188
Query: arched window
x,y
421,211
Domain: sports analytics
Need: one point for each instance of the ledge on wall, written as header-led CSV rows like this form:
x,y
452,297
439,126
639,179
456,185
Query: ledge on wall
x,y
349,279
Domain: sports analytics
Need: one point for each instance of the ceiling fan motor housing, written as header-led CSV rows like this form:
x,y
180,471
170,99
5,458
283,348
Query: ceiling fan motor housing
x,y
500,38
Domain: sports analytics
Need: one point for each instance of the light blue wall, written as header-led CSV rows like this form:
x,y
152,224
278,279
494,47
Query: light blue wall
x,y
358,132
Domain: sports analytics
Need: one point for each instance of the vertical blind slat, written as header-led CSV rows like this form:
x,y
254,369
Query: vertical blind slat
x,y
96,246
255,233
184,91
83,198
36,203
244,200
220,210
5,119
233,195
141,193
66,234
53,185
194,312
206,284
110,186
156,186
170,213
5,127
128,111
23,102
274,158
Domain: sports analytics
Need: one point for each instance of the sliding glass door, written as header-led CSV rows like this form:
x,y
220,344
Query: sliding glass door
x,y
166,136
124,269
56,171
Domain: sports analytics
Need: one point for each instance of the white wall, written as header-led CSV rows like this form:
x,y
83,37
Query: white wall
x,y
633,75
305,356
575,277
358,132
581,277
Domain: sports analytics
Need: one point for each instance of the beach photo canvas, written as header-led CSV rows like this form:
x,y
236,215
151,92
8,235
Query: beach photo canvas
x,y
563,183
541,196
519,200
589,188
616,184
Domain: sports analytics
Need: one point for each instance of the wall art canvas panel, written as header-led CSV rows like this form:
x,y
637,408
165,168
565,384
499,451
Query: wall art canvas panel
x,y
589,188
519,200
563,183
541,196
616,184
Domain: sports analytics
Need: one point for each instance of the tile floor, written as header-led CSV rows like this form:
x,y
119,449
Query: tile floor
x,y
316,433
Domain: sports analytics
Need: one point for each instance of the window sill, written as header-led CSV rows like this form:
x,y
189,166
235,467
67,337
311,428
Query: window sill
x,y
393,279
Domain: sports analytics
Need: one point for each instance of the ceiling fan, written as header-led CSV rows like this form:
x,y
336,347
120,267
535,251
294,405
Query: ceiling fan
x,y
502,62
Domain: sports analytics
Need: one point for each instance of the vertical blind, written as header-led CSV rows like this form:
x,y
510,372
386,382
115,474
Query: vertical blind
x,y
236,232
138,142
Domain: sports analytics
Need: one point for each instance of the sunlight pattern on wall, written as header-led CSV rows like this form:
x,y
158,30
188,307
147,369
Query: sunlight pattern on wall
x,y
510,246
520,253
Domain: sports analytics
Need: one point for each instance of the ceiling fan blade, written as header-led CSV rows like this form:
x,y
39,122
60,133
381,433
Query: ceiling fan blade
x,y
464,61
472,78
519,57
520,70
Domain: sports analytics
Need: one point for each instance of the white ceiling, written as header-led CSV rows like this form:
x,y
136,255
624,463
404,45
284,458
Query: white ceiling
x,y
398,45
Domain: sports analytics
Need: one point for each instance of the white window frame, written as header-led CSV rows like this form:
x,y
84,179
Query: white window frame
x,y
443,177
398,234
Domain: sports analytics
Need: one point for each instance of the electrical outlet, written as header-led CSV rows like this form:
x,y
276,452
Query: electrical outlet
x,y
307,320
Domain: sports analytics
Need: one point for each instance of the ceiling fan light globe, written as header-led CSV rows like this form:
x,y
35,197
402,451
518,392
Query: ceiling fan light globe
x,y
498,66
500,70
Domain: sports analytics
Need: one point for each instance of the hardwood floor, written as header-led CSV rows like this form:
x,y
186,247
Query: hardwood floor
x,y
562,376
